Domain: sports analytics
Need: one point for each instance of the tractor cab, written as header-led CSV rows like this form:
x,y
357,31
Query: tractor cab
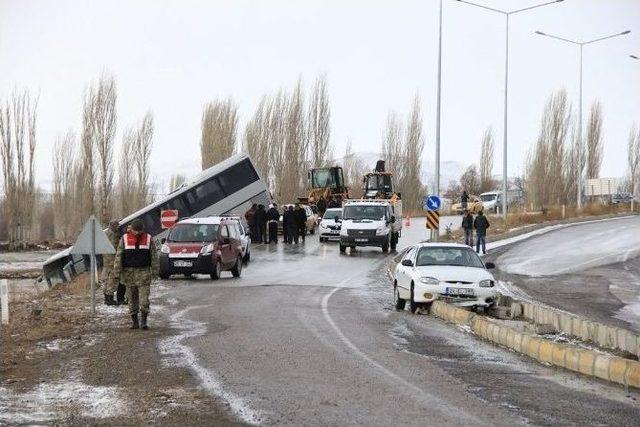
x,y
327,182
379,183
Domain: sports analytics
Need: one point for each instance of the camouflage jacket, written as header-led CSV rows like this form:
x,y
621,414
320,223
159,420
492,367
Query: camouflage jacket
x,y
107,259
136,276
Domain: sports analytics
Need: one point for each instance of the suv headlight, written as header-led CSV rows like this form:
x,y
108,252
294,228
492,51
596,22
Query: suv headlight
x,y
165,249
429,280
207,249
486,283
380,231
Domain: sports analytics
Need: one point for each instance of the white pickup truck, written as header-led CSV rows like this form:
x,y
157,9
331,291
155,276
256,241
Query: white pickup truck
x,y
371,223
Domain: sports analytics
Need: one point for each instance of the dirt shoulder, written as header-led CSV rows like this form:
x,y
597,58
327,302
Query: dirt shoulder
x,y
60,365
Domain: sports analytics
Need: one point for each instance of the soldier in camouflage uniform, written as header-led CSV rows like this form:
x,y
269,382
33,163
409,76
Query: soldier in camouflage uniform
x,y
136,264
109,284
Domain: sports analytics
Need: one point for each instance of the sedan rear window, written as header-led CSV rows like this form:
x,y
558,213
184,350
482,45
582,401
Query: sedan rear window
x,y
463,257
193,233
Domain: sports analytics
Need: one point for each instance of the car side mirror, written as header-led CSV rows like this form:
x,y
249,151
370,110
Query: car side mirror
x,y
407,263
490,265
163,240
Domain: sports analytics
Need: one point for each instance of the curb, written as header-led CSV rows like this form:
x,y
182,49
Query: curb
x,y
587,362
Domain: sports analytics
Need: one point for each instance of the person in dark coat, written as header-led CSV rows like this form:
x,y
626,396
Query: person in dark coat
x,y
464,199
250,216
261,223
291,226
301,221
333,203
322,206
273,216
467,226
481,223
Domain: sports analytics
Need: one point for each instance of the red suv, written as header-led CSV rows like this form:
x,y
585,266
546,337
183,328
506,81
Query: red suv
x,y
207,245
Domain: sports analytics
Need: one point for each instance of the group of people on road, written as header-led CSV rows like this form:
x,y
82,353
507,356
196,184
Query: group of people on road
x,y
263,224
130,271
480,223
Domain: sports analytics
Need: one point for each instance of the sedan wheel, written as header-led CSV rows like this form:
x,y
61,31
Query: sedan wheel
x,y
398,302
413,306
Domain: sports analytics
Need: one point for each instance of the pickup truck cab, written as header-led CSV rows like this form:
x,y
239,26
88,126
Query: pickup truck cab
x,y
375,223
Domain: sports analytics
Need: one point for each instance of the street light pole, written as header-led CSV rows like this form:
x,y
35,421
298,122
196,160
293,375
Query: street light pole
x,y
580,142
507,14
435,234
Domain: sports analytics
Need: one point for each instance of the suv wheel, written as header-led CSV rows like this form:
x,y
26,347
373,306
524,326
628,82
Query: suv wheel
x,y
217,270
237,269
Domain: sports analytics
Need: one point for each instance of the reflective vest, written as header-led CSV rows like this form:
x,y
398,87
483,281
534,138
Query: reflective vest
x,y
137,250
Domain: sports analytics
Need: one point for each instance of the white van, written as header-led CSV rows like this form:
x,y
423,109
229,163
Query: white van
x,y
371,223
491,201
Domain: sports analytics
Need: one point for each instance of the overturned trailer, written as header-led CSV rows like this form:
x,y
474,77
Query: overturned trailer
x,y
227,188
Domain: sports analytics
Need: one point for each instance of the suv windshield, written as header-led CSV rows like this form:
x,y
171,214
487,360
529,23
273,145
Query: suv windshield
x,y
193,233
332,213
488,197
463,257
371,212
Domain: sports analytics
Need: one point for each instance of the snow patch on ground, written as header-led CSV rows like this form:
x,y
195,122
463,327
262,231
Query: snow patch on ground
x,y
578,248
179,354
52,401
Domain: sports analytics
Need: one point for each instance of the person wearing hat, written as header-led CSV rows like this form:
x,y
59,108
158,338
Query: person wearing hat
x,y
136,265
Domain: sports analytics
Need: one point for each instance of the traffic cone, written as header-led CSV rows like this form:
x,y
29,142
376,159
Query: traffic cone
x,y
407,221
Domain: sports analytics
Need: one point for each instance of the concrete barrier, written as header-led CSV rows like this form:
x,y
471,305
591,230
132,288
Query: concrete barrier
x,y
602,335
587,362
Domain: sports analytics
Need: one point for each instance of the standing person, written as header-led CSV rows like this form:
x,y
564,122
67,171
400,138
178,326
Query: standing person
x,y
273,216
136,264
250,216
467,226
333,203
301,217
464,199
481,224
292,225
261,223
109,284
286,220
322,206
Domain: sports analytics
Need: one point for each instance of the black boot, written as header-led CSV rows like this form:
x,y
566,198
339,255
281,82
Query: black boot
x,y
108,300
120,292
143,324
134,321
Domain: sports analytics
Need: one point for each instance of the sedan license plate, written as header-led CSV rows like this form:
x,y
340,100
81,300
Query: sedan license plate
x,y
460,291
362,240
183,263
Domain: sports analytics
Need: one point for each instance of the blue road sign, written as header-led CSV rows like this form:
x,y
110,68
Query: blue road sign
x,y
432,203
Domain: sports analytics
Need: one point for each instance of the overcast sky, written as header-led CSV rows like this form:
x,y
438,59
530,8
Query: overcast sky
x,y
171,57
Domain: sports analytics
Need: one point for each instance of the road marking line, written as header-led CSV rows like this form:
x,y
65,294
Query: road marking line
x,y
430,399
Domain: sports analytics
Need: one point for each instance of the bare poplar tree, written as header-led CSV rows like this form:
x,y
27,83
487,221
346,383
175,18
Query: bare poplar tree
x,y
294,154
470,180
256,138
392,150
17,150
486,161
354,169
319,117
545,169
127,186
633,159
142,155
101,100
594,141
219,129
411,184
176,181
64,209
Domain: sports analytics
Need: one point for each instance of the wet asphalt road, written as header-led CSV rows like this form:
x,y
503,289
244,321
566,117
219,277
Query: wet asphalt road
x,y
308,337
590,269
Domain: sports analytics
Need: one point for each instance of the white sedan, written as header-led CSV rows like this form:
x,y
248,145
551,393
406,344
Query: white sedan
x,y
448,271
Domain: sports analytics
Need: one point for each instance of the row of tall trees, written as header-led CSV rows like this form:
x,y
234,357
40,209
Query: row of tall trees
x,y
86,178
18,118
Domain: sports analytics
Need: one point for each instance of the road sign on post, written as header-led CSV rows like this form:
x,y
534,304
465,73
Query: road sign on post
x,y
168,218
431,203
433,220
91,241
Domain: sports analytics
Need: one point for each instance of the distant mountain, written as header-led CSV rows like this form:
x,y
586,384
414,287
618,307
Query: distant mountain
x,y
449,170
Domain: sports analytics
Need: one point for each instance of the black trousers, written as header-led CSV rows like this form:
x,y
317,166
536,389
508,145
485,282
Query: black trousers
x,y
273,232
302,231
